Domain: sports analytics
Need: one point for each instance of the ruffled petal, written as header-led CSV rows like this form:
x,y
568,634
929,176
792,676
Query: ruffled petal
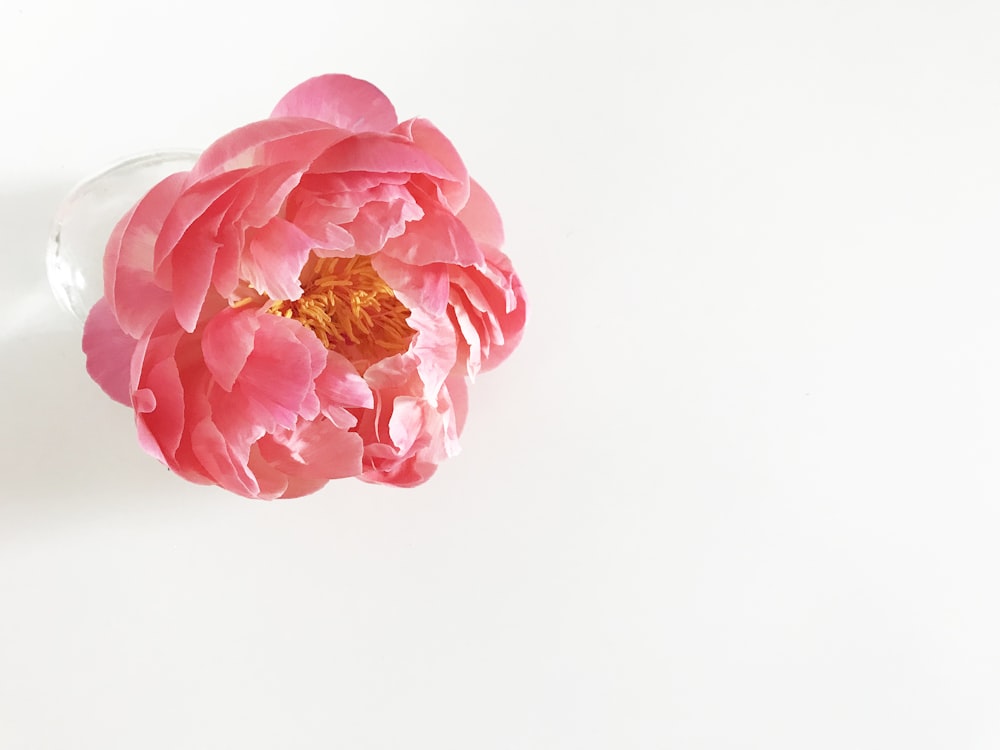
x,y
424,287
439,237
278,376
340,100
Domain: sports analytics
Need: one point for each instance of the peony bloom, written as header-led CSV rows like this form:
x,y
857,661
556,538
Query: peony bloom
x,y
309,302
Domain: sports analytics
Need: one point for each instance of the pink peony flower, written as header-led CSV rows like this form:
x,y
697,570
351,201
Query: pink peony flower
x,y
309,302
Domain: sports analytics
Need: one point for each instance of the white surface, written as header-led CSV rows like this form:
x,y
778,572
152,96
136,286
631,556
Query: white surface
x,y
738,488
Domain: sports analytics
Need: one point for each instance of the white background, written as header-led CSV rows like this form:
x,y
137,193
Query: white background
x,y
737,489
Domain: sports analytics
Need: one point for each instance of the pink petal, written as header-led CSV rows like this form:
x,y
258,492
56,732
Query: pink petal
x,y
339,387
226,470
278,139
424,287
135,299
340,100
493,303
377,152
481,217
314,450
277,378
191,207
432,141
458,392
226,344
109,351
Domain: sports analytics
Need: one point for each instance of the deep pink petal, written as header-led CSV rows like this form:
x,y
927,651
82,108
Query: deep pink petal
x,y
109,352
340,100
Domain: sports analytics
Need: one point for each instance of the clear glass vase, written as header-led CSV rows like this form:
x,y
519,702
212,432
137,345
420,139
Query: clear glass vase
x,y
87,216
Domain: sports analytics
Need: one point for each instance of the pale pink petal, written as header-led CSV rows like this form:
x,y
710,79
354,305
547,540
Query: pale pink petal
x,y
274,259
109,352
378,222
424,287
321,222
458,392
340,100
438,237
474,341
435,349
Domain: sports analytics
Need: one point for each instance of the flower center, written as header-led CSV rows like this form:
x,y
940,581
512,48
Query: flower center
x,y
351,310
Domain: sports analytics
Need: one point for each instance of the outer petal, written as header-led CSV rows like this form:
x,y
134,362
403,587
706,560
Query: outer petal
x,y
490,309
281,139
379,152
109,352
314,450
340,100
135,299
454,192
481,217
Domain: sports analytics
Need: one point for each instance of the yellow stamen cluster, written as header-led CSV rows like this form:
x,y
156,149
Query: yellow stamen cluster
x,y
351,310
